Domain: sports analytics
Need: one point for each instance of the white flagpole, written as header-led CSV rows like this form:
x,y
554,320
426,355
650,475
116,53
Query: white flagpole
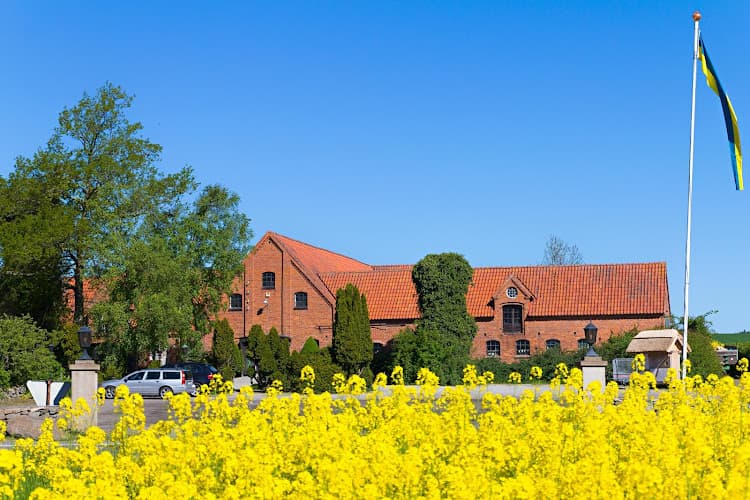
x,y
696,20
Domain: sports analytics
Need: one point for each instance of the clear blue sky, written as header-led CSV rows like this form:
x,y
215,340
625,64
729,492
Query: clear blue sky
x,y
390,130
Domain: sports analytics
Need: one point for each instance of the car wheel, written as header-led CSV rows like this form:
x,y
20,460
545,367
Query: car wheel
x,y
109,392
164,391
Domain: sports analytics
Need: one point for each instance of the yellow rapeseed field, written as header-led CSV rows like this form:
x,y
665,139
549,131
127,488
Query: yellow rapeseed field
x,y
400,442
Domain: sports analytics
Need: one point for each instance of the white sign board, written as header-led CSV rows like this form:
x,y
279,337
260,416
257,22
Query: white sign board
x,y
38,390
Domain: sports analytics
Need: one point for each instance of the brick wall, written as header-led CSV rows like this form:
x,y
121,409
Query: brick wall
x,y
276,307
567,331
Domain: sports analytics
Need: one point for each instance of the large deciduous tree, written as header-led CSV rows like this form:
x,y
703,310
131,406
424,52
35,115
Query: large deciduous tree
x,y
174,273
352,338
83,196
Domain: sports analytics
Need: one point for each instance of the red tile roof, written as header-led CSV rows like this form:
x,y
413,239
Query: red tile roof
x,y
559,291
317,259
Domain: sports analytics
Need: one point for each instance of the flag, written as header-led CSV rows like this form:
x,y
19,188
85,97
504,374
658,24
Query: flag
x,y
730,119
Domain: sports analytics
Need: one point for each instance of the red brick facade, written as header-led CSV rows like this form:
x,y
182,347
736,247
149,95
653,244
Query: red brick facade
x,y
552,304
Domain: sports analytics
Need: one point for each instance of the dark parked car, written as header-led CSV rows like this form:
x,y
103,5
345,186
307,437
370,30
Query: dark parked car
x,y
202,372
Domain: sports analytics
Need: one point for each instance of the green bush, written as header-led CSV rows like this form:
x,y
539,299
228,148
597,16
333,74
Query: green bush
x,y
24,354
323,365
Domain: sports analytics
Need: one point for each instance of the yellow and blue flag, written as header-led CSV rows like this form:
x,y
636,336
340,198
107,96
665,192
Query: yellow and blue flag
x,y
730,119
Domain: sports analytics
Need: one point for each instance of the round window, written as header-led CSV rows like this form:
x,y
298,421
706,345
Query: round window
x,y
512,292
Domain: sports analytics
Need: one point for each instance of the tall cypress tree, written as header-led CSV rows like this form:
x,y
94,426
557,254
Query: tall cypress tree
x,y
260,353
352,338
225,352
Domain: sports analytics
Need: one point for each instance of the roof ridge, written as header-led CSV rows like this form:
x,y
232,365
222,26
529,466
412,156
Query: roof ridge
x,y
573,266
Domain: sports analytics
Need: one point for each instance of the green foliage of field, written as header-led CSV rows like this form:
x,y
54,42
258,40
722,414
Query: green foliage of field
x,y
731,338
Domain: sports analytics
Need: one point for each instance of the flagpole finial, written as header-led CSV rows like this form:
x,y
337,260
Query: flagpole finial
x,y
696,16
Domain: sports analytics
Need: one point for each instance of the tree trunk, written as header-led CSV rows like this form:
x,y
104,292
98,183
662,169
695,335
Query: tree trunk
x,y
78,313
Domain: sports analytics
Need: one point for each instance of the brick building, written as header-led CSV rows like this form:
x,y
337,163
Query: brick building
x,y
519,310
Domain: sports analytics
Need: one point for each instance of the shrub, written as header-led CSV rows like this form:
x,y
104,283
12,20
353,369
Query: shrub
x,y
24,354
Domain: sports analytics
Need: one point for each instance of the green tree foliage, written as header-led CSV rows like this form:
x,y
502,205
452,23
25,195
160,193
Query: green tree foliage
x,y
225,353
65,343
446,330
173,274
84,194
310,346
703,356
322,363
261,356
33,288
280,350
24,354
546,360
352,338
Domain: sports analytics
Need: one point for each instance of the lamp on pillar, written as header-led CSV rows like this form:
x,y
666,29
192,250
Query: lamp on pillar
x,y
590,332
84,339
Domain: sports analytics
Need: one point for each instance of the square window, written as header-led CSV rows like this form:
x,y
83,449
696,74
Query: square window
x,y
269,281
493,348
235,302
300,300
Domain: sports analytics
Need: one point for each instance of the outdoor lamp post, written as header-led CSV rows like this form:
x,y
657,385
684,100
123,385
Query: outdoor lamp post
x,y
243,347
84,339
590,332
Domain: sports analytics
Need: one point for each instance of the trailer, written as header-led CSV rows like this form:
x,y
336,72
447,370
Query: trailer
x,y
728,355
621,370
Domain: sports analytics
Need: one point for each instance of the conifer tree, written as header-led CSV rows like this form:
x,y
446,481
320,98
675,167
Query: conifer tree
x,y
225,352
352,338
280,350
259,352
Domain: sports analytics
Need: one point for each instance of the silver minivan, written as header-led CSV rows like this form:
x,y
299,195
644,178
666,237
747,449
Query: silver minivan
x,y
153,382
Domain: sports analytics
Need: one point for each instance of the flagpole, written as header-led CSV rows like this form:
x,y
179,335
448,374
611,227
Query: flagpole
x,y
696,20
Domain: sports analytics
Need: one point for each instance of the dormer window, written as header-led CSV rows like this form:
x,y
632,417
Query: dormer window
x,y
512,314
511,292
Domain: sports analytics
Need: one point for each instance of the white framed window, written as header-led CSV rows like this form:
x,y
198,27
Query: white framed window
x,y
523,348
235,302
300,300
552,344
493,349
